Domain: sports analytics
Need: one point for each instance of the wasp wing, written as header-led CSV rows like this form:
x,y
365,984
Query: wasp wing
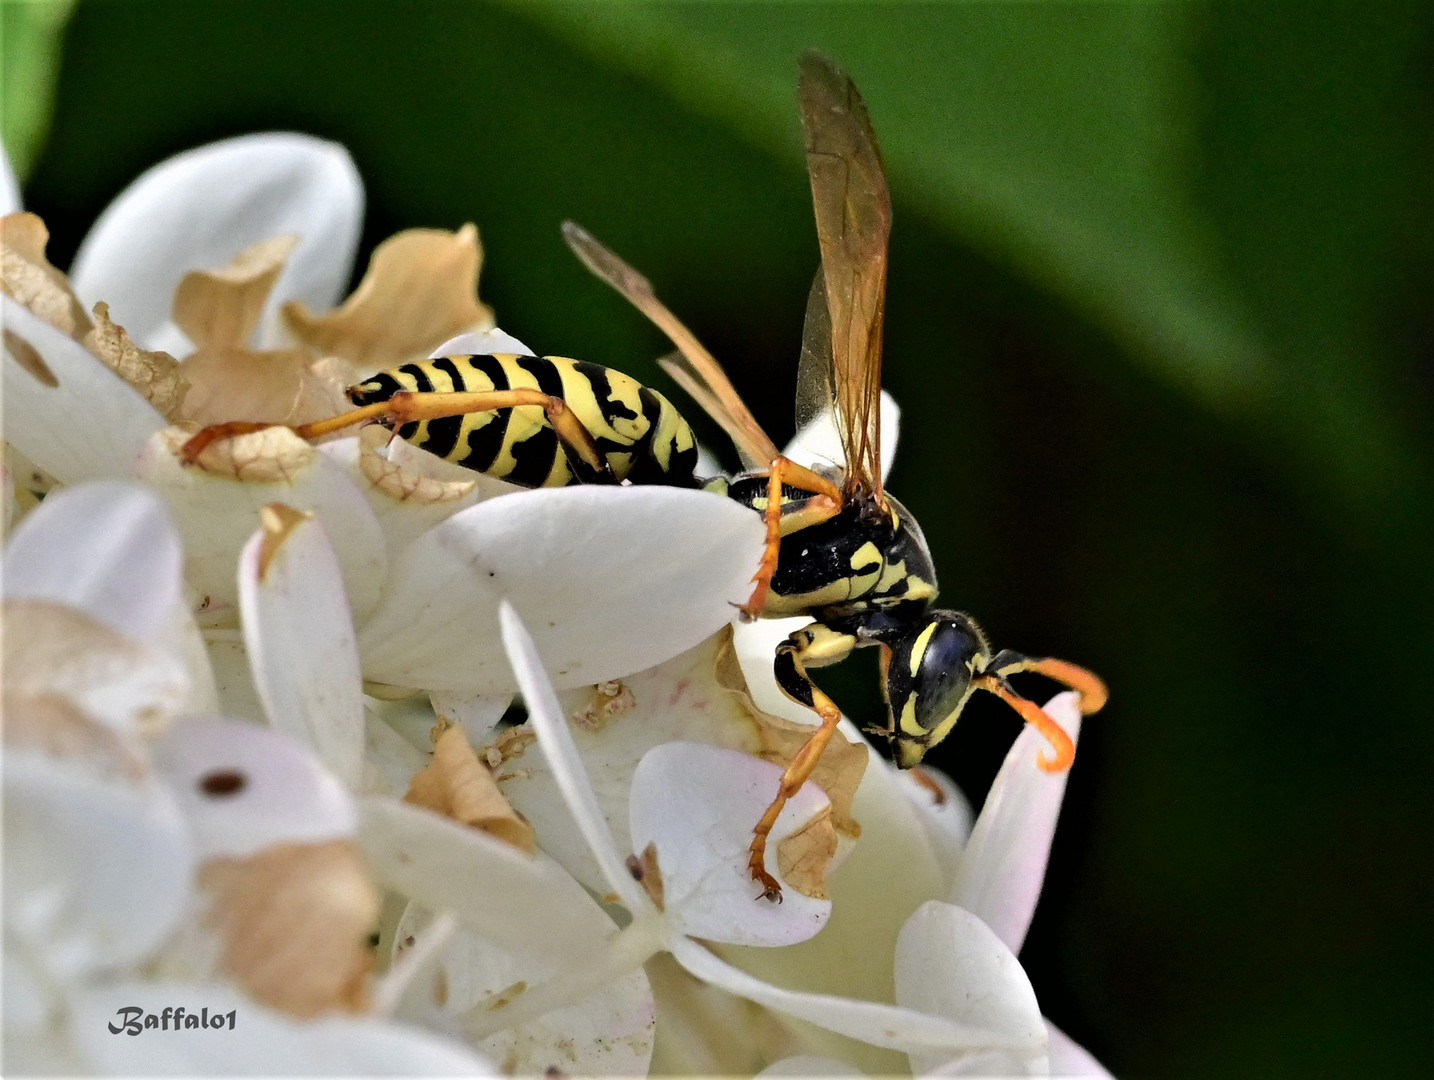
x,y
853,212
694,368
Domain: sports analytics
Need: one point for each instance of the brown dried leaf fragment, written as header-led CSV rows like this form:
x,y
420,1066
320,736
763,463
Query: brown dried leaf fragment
x,y
458,785
280,386
607,700
403,482
156,375
272,456
219,309
421,289
294,923
842,764
27,276
803,857
647,873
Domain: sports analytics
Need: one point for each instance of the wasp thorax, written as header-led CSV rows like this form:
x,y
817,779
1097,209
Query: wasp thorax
x,y
929,679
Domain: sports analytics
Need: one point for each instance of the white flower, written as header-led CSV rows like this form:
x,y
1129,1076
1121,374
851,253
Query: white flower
x,y
153,860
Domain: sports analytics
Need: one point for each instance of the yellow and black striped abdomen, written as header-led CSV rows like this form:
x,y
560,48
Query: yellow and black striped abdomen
x,y
643,437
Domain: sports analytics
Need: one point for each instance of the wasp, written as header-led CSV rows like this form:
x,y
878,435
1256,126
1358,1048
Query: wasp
x,y
839,548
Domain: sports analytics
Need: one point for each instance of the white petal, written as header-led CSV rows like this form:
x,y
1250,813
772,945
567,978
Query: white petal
x,y
697,805
216,515
108,549
556,743
93,425
233,680
527,902
300,637
9,186
245,789
756,647
1069,1058
949,963
96,872
677,700
262,1043
482,343
611,580
201,208
609,1033
803,1065
818,443
890,1026
390,761
477,714
944,811
1005,861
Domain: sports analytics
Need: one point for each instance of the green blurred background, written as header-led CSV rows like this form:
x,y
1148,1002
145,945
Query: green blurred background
x,y
1160,323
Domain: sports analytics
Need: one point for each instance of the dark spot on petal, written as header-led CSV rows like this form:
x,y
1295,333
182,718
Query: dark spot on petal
x,y
222,783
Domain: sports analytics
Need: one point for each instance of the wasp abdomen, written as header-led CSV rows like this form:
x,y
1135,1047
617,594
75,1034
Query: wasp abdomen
x,y
638,431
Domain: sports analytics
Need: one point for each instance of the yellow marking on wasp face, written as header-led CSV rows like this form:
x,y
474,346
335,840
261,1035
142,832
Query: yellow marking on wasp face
x,y
908,718
918,650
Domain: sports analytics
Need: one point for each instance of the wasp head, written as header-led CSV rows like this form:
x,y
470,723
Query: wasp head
x,y
929,677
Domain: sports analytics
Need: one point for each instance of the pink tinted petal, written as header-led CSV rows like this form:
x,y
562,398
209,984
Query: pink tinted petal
x,y
671,561
697,805
263,1042
245,789
481,343
93,425
556,742
108,549
949,963
201,208
1069,1058
300,638
1004,865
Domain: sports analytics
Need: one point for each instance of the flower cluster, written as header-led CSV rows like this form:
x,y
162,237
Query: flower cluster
x,y
256,756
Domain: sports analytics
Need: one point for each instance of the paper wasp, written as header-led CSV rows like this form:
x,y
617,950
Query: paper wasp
x,y
838,547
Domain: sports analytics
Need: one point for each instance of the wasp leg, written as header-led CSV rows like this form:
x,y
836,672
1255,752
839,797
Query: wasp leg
x,y
815,645
825,503
406,406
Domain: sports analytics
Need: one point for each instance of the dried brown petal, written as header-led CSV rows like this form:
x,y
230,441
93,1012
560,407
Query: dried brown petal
x,y
647,873
458,785
274,455
219,309
52,649
404,482
294,924
280,386
804,856
56,727
27,276
156,375
842,764
421,289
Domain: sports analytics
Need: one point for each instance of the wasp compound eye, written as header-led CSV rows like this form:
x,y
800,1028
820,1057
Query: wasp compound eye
x,y
929,679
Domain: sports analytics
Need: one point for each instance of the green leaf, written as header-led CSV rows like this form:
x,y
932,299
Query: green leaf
x,y
1115,154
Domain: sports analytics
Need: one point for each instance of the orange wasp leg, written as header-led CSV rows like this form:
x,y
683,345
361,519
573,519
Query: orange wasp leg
x,y
406,407
826,503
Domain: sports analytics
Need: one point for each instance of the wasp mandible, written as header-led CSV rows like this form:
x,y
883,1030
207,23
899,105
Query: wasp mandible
x,y
838,547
